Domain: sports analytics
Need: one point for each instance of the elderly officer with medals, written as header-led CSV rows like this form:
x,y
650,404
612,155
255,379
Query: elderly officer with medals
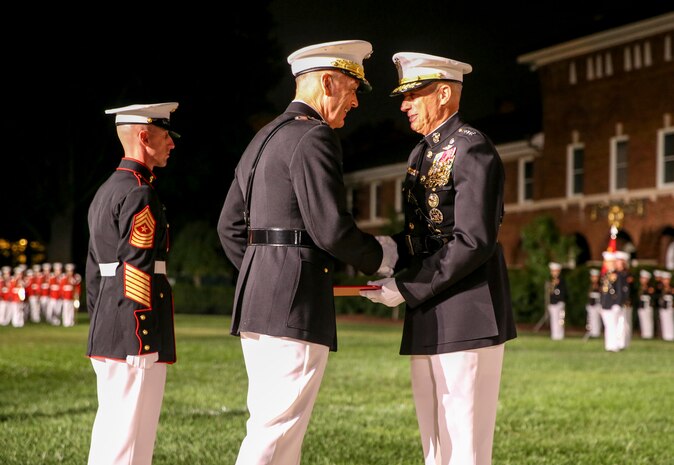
x,y
283,224
452,273
129,298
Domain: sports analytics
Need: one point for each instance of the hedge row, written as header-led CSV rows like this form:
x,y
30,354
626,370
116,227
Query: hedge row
x,y
528,299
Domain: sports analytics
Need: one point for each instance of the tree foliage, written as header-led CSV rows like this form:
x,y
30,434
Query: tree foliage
x,y
542,243
196,253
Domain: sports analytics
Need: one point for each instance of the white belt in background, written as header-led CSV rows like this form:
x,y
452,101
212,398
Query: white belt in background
x,y
108,269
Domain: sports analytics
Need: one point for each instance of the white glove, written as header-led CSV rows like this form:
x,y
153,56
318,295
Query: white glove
x,y
388,295
389,257
144,362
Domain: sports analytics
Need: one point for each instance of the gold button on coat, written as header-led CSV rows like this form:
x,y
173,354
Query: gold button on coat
x,y
142,317
145,331
146,347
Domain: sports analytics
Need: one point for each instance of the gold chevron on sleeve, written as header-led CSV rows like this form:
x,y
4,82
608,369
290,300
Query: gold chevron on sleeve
x,y
142,229
137,285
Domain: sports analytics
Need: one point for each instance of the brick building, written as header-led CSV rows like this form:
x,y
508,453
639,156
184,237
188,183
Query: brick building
x,y
605,152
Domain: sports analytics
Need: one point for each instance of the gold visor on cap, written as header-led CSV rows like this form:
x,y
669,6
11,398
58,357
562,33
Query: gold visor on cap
x,y
351,66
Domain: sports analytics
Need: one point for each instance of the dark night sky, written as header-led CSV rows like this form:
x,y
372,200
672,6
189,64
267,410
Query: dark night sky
x,y
228,70
490,38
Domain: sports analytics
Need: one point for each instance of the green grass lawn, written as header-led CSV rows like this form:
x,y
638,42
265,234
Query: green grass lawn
x,y
562,402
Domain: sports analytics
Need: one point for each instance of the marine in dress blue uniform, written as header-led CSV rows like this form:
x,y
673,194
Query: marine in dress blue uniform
x,y
556,301
283,225
646,301
593,305
614,292
129,298
666,307
452,273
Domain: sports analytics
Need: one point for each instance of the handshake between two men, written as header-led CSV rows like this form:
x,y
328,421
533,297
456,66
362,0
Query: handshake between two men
x,y
388,293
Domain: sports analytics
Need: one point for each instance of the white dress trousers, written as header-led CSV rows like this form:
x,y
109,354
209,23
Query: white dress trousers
x,y
16,309
284,377
646,324
34,302
557,316
625,326
68,312
612,334
456,397
5,316
129,403
666,314
594,316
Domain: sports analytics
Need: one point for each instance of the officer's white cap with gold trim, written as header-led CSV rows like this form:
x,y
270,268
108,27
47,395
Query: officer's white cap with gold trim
x,y
554,266
346,56
594,272
416,70
645,274
158,114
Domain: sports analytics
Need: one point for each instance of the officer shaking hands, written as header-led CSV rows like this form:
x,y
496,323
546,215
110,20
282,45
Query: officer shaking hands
x,y
283,225
451,272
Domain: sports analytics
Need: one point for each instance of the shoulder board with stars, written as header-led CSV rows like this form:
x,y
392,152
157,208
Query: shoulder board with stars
x,y
467,132
308,118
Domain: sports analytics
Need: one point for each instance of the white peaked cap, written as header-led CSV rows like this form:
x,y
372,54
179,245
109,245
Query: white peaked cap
x,y
158,114
416,70
346,56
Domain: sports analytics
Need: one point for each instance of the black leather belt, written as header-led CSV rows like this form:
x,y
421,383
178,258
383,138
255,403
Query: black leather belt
x,y
421,245
280,237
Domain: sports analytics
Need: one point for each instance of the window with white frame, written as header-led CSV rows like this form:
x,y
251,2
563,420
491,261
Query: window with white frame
x,y
376,200
598,66
636,50
609,63
666,157
573,79
618,165
399,195
526,179
576,170
589,69
352,199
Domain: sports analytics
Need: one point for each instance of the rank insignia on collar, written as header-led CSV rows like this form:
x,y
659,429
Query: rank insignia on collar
x,y
436,137
412,171
429,154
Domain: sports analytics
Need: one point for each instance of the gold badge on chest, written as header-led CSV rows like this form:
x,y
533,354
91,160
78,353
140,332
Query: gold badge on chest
x,y
436,215
441,169
433,200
